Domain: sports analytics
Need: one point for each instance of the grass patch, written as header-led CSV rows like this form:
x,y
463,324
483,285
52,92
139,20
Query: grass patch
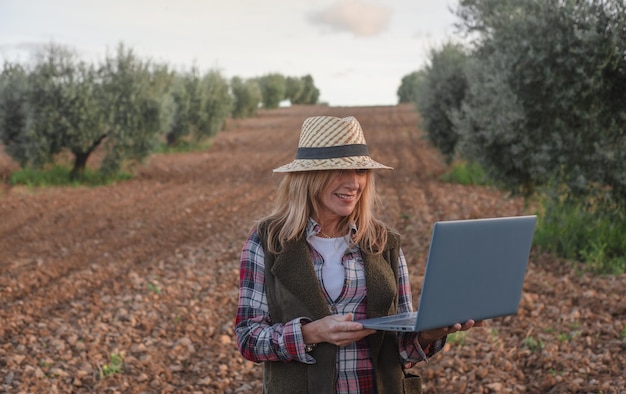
x,y
576,232
153,288
115,365
59,175
458,338
185,146
466,173
534,345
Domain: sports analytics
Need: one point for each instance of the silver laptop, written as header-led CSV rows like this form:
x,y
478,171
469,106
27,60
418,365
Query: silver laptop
x,y
475,270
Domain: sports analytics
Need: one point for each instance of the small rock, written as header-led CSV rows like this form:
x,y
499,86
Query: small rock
x,y
142,378
58,372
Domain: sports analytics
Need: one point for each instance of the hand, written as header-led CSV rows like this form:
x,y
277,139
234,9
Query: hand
x,y
430,336
339,330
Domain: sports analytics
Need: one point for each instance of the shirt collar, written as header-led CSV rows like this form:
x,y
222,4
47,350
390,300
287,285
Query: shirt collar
x,y
313,228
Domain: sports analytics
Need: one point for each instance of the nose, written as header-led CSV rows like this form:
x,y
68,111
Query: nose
x,y
350,178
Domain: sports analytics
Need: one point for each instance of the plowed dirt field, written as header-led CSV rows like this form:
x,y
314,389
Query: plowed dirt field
x,y
132,288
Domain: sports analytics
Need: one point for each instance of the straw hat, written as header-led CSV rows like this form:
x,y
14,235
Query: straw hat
x,y
330,143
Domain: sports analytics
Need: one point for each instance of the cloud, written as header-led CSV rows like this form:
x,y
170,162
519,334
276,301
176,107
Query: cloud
x,y
355,16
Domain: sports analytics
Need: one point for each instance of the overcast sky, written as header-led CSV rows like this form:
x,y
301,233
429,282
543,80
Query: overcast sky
x,y
356,50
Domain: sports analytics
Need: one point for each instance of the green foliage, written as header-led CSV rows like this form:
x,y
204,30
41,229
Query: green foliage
x,y
123,107
53,106
466,173
440,94
273,89
136,98
457,338
219,102
201,106
13,108
411,87
115,365
293,88
59,175
581,232
545,99
301,90
187,102
153,288
61,104
533,344
247,97
185,146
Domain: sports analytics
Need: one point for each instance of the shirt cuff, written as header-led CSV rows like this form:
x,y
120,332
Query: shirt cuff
x,y
302,355
414,352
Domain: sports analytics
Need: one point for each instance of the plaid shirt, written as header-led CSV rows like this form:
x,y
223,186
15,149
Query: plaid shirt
x,y
260,340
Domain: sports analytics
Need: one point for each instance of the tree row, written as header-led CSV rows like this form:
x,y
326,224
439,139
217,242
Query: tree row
x,y
124,106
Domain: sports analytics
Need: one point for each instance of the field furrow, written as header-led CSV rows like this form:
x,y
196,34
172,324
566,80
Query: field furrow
x,y
146,272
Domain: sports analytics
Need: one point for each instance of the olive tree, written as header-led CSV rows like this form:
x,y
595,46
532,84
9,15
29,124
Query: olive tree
x,y
137,107
13,110
54,105
441,93
201,106
247,97
62,104
306,92
273,88
411,86
546,98
219,102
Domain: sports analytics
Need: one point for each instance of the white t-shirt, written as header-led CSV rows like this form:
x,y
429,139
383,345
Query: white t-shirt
x,y
333,275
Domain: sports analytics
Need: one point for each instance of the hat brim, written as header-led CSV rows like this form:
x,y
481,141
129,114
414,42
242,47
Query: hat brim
x,y
341,163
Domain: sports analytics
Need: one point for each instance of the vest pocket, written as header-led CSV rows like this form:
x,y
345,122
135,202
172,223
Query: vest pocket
x,y
412,384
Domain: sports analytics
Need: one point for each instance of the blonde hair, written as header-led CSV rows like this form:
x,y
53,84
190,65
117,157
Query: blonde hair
x,y
298,197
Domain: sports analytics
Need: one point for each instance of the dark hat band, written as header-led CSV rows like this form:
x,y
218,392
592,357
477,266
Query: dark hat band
x,y
332,152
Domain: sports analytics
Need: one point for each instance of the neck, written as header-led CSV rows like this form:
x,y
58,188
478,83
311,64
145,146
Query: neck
x,y
330,235
330,230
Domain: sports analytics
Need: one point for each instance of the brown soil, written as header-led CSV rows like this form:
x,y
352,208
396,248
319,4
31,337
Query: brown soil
x,y
147,271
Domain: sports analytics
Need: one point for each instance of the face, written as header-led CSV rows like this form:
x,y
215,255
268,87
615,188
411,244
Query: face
x,y
341,194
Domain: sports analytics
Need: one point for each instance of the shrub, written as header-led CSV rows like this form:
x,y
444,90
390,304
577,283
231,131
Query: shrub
x,y
61,104
442,93
546,98
306,92
583,232
411,87
273,88
247,97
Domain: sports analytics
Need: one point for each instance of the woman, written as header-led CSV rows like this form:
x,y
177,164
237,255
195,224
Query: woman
x,y
320,261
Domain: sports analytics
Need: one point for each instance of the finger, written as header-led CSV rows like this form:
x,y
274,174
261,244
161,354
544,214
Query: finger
x,y
468,324
341,318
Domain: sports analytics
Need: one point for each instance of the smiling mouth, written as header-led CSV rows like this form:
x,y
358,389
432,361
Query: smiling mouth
x,y
345,196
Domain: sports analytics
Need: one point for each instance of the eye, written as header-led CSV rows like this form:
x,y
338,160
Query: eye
x,y
362,171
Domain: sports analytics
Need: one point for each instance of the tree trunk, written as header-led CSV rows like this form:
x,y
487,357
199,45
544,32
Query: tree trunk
x,y
172,139
80,162
80,158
